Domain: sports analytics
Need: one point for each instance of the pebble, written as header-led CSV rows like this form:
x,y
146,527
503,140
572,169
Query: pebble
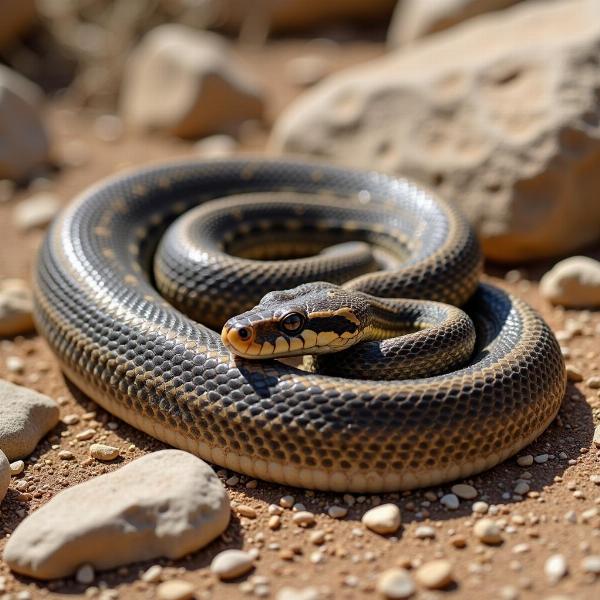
x,y
66,455
521,488
480,507
274,522
488,532
103,452
15,364
216,146
540,459
458,541
555,568
17,467
37,211
16,307
86,434
395,584
434,575
591,564
464,491
450,501
70,419
574,374
287,501
85,574
175,589
525,461
289,593
153,574
337,512
168,503
425,532
5,473
304,518
382,519
596,438
245,511
25,417
317,537
230,564
593,382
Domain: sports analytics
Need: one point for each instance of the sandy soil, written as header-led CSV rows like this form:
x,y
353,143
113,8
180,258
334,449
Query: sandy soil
x,y
352,557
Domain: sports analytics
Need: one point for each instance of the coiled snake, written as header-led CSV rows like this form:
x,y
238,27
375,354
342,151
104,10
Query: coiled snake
x,y
141,359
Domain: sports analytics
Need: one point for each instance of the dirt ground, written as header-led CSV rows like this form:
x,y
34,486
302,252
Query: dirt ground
x,y
347,564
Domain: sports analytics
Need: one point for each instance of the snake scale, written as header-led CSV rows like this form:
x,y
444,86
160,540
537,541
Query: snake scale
x,y
143,360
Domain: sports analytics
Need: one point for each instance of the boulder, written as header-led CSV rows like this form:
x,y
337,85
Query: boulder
x,y
165,504
413,19
24,144
26,416
187,83
573,282
499,115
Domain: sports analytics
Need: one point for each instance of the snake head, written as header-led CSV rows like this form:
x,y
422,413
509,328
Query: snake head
x,y
313,318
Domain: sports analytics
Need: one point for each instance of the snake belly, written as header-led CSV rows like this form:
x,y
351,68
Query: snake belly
x,y
144,361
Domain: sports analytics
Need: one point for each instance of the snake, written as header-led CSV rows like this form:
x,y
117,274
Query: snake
x,y
178,378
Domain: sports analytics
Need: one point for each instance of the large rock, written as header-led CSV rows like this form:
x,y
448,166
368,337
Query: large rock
x,y
24,143
26,416
500,115
4,475
413,19
573,282
186,82
165,504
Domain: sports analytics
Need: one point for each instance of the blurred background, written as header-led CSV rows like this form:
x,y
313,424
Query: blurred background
x,y
494,104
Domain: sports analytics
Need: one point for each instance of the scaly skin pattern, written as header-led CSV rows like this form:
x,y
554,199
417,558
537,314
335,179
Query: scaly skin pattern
x,y
173,378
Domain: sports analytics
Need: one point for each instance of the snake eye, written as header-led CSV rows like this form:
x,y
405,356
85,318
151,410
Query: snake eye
x,y
292,323
244,333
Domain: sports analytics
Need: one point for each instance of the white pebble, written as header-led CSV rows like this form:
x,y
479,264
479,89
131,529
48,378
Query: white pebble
x,y
450,501
434,575
287,501
382,519
395,584
16,467
304,518
487,531
591,564
425,532
85,574
480,507
153,574
175,589
103,452
556,568
230,564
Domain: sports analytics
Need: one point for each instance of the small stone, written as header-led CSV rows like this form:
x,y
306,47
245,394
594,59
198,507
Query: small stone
x,y
317,537
593,382
509,592
66,455
450,501
274,522
16,467
488,532
216,146
304,518
70,419
521,488
464,491
540,459
591,564
15,364
555,568
458,541
175,589
232,481
287,501
480,507
596,478
245,511
85,574
230,564
596,438
103,452
434,575
25,417
425,532
36,211
395,584
16,307
86,434
337,512
573,282
288,593
525,461
382,519
574,374
273,509
153,574
5,472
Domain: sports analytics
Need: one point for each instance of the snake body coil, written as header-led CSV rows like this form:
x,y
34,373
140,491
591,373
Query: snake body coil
x,y
162,372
